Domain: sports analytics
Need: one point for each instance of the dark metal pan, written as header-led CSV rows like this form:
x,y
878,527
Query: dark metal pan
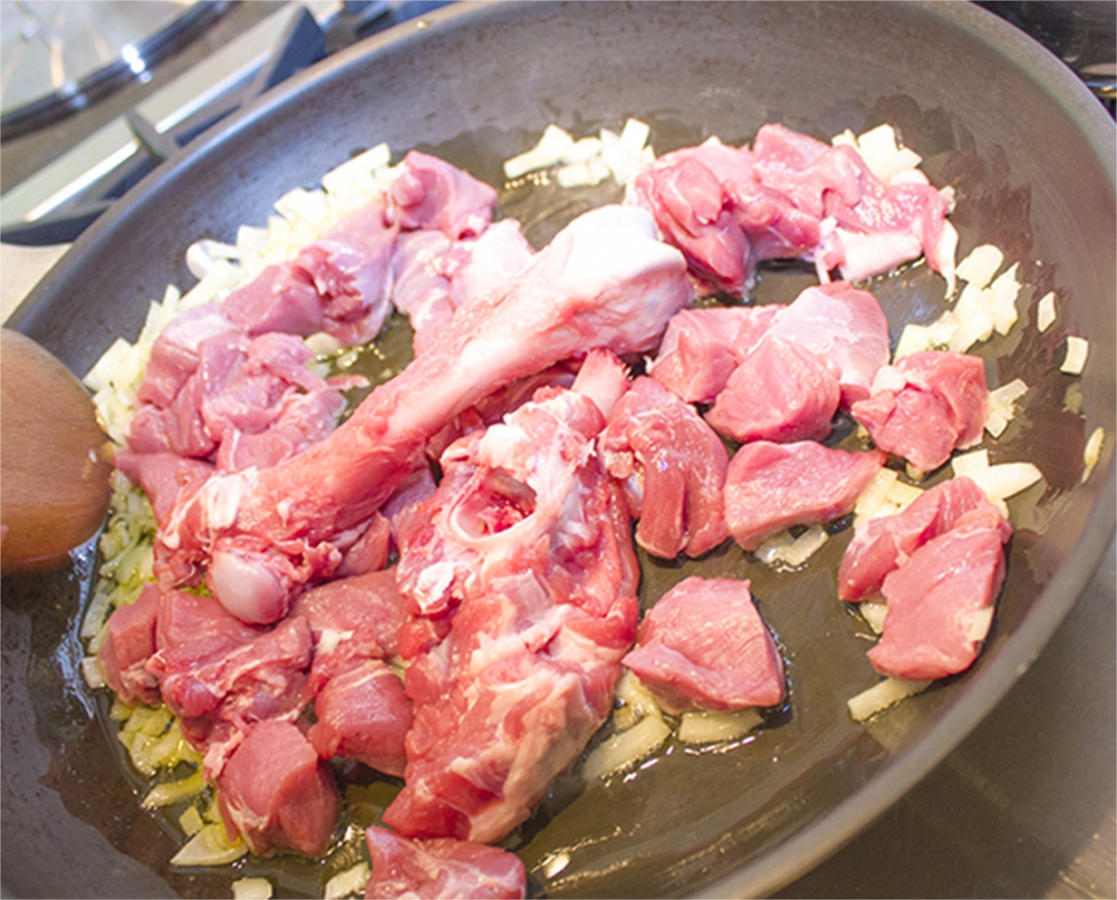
x,y
1031,153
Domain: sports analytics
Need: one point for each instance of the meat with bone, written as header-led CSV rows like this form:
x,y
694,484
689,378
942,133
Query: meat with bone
x,y
672,466
770,487
881,544
440,868
222,677
277,794
703,645
604,281
528,554
940,600
926,406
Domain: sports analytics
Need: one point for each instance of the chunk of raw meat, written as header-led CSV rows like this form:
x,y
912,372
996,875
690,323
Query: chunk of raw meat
x,y
926,406
703,645
672,466
129,643
222,677
940,601
781,392
441,868
770,487
276,300
166,478
881,544
842,325
698,352
430,193
528,557
277,794
174,354
363,714
604,281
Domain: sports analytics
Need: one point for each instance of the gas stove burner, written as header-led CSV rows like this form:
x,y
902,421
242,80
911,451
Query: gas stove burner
x,y
59,56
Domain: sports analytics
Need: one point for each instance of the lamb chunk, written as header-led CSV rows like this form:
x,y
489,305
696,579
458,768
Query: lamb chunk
x,y
704,646
430,193
926,406
277,794
781,392
673,468
174,354
165,477
128,645
770,487
940,600
275,300
363,714
441,868
881,544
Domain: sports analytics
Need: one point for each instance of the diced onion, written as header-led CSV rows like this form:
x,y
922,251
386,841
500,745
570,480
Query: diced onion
x,y
637,701
712,727
1092,452
252,889
1002,481
626,748
549,150
965,463
979,267
1077,350
783,548
873,612
350,882
92,673
191,821
173,791
979,624
209,847
1045,311
881,696
873,496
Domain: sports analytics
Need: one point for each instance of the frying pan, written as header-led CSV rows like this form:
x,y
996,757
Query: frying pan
x,y
1031,154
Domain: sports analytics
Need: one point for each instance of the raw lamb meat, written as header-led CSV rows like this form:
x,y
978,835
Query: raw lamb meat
x,y
527,556
926,406
704,646
440,868
277,794
672,466
770,487
129,643
431,193
604,281
881,544
940,600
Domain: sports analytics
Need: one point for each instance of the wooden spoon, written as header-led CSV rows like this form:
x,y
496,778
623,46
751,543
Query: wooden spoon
x,y
54,458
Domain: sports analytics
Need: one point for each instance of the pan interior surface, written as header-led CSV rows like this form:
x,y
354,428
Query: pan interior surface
x,y
477,84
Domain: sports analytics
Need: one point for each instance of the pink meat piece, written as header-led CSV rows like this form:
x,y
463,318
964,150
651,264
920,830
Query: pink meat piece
x,y
926,406
698,352
434,275
248,402
527,556
277,794
166,478
770,487
363,714
441,868
881,544
939,600
129,643
672,466
174,354
703,645
339,283
430,193
842,325
781,392
604,281
371,550
222,677
352,620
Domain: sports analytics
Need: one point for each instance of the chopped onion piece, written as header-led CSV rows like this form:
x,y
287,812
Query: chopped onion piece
x,y
1077,351
712,727
1045,311
552,146
1006,479
252,889
357,173
901,494
627,747
979,267
979,624
873,496
783,548
191,821
91,672
209,847
881,696
351,881
873,612
582,150
637,701
966,463
173,791
769,551
1003,293
634,135
1092,452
